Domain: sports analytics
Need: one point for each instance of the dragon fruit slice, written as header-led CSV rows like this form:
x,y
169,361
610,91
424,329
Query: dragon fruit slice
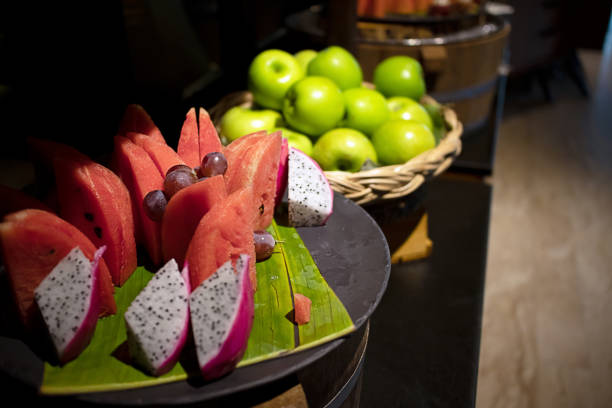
x,y
222,312
157,320
310,197
69,301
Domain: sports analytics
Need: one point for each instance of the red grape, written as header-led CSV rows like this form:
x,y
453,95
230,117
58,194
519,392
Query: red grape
x,y
213,164
264,244
179,167
177,180
154,204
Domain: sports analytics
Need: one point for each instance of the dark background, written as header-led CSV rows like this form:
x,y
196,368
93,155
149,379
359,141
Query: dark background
x,y
67,70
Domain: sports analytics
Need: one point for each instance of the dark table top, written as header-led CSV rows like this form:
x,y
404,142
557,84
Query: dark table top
x,y
425,335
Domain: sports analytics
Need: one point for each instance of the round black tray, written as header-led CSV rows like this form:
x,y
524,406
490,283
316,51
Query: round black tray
x,y
352,255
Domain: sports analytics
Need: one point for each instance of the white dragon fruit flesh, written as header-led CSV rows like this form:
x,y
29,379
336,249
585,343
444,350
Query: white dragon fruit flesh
x,y
69,301
157,320
222,313
310,197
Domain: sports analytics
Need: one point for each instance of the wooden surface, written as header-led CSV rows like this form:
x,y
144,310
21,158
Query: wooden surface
x,y
323,380
417,245
292,398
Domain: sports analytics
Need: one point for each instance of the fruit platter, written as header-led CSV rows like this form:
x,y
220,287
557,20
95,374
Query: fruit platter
x,y
173,275
375,141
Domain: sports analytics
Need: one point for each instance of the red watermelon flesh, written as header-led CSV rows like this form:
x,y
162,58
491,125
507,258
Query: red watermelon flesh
x,y
95,200
223,233
244,141
87,187
136,119
208,137
162,155
302,308
14,200
32,243
189,145
140,176
254,162
183,213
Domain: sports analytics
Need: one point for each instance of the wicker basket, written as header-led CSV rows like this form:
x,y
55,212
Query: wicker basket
x,y
381,183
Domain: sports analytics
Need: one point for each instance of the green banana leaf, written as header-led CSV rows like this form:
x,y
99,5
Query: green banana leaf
x,y
105,365
328,318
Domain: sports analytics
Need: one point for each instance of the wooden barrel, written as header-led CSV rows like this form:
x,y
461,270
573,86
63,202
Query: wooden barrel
x,y
334,381
461,69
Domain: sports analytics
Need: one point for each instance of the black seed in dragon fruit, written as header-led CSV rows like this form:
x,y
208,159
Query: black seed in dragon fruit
x,y
222,312
69,301
157,320
310,197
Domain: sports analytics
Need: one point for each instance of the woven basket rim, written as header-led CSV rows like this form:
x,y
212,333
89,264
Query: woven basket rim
x,y
385,182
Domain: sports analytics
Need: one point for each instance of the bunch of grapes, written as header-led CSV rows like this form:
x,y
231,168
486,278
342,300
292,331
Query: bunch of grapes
x,y
179,177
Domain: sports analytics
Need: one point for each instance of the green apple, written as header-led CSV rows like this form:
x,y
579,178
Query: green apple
x,y
297,140
439,126
270,75
405,108
313,105
339,65
343,149
304,57
366,109
400,75
398,141
239,121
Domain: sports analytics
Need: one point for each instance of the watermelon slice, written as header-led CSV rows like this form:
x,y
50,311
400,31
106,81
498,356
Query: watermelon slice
x,y
246,140
32,243
301,309
140,176
93,199
183,213
189,145
208,137
162,155
136,119
198,137
254,161
14,200
224,233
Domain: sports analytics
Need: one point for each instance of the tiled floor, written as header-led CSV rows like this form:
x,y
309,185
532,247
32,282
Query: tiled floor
x,y
547,329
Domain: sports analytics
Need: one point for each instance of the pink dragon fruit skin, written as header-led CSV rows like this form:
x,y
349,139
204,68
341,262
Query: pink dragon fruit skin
x,y
174,357
281,178
59,284
310,196
219,349
157,320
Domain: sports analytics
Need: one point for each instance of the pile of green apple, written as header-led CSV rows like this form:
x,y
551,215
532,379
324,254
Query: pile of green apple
x,y
319,101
